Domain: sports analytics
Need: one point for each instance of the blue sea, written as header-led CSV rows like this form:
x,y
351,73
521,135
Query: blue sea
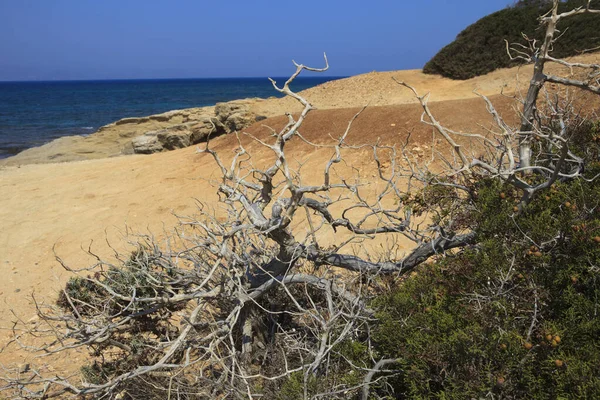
x,y
34,113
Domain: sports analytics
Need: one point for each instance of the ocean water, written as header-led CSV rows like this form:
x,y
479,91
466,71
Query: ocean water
x,y
34,113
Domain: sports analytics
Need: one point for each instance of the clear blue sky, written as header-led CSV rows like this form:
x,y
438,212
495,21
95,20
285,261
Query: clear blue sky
x,y
106,39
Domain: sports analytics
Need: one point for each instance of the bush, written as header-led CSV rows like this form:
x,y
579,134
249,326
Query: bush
x,y
481,48
515,316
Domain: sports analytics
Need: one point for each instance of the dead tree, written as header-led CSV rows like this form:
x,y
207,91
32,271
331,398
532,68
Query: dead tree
x,y
250,294
539,55
247,294
547,119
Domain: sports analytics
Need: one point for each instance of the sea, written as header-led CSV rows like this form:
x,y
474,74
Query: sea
x,y
34,113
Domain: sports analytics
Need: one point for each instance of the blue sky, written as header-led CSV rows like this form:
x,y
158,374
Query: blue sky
x,y
125,39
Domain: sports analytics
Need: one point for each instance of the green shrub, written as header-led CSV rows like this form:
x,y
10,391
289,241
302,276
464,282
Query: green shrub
x,y
481,47
141,275
516,316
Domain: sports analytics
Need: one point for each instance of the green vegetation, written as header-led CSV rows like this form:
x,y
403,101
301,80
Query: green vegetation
x,y
515,316
481,47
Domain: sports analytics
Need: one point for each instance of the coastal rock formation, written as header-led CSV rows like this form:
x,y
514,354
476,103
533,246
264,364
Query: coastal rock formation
x,y
147,143
235,115
149,134
228,117
178,136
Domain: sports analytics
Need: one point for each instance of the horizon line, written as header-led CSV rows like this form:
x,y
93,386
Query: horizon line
x,y
167,79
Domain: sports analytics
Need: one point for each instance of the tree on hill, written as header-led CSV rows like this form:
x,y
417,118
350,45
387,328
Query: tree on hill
x,y
251,302
481,47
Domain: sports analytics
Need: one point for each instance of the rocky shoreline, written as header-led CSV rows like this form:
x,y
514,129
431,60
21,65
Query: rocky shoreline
x,y
181,128
145,135
197,126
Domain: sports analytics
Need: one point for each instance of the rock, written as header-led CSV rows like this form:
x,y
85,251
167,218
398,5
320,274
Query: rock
x,y
239,121
132,120
161,117
116,139
208,126
178,136
234,115
141,134
173,117
191,127
147,143
224,110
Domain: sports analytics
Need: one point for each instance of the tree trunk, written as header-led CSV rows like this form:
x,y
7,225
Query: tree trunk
x,y
535,85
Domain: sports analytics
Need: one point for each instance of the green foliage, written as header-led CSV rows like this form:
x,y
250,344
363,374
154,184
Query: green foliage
x,y
515,316
140,275
293,388
481,47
